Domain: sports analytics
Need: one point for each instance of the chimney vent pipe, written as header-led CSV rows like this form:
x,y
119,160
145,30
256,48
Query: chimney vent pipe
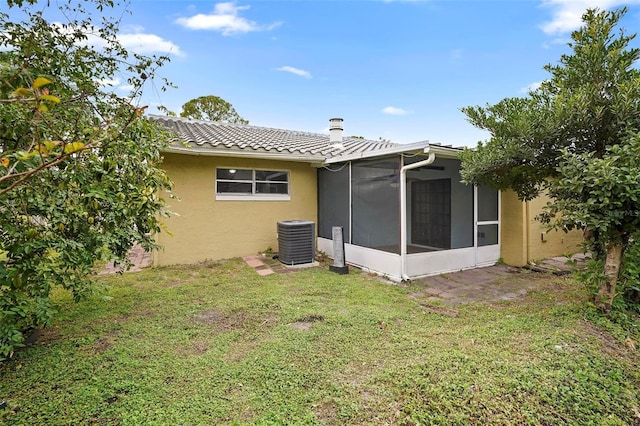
x,y
335,130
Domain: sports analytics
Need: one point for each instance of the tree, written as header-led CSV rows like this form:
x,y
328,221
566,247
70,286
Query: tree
x,y
576,138
79,165
211,108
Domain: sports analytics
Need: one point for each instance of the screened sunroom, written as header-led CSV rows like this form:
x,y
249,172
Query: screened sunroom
x,y
406,214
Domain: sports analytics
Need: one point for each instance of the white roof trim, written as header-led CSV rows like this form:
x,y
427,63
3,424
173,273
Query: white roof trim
x,y
424,146
417,146
281,156
446,152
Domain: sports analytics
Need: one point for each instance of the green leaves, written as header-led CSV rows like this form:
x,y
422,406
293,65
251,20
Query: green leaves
x,y
77,162
211,108
576,136
601,193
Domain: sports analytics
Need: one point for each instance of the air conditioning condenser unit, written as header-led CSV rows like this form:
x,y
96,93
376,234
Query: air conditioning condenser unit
x,y
296,242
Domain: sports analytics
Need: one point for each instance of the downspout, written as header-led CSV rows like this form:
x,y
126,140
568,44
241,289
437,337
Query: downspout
x,y
403,209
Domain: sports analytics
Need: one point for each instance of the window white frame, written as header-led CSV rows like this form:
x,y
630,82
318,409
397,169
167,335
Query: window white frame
x,y
253,195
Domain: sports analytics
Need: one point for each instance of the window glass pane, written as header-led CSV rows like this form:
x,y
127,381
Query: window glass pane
x,y
233,174
272,188
234,187
271,176
487,204
333,200
487,235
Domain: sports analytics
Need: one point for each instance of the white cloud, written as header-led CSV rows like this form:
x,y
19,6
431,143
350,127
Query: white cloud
x,y
567,14
391,110
148,43
136,40
532,87
296,71
224,19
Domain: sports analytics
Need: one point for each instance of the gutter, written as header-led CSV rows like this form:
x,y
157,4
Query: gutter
x,y
403,209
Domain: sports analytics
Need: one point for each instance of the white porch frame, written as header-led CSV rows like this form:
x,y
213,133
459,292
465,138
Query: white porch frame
x,y
404,266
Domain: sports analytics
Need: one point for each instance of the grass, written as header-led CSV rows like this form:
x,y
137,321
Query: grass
x,y
218,344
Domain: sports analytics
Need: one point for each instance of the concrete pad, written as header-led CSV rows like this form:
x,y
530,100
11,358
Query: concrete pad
x,y
432,290
447,295
491,284
470,276
437,280
264,272
503,269
254,263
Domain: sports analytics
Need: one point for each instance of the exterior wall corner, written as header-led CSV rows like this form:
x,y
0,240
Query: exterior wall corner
x,y
513,230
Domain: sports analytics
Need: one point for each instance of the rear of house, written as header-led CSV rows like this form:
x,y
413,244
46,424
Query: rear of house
x,y
403,209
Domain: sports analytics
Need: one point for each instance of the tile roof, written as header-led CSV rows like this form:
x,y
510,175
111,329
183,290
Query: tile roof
x,y
210,137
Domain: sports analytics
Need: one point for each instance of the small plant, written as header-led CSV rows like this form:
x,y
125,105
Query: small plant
x,y
322,257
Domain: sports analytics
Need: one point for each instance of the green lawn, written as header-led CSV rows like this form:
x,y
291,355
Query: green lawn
x,y
218,344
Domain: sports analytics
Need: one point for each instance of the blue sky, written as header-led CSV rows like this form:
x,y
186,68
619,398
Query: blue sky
x,y
400,70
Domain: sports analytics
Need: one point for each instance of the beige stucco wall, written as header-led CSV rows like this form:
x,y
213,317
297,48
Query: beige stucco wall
x,y
209,229
524,239
544,244
513,230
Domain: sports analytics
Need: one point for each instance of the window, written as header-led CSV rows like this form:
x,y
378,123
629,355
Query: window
x,y
243,184
487,201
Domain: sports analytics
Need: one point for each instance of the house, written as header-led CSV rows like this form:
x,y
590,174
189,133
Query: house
x,y
404,212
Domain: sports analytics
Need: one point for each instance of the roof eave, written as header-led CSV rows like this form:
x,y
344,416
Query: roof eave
x,y
446,152
412,147
280,156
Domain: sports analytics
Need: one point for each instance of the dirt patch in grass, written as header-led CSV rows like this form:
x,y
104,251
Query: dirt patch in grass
x,y
194,348
223,321
43,336
240,349
327,413
610,345
301,326
305,323
199,347
270,321
311,318
102,345
439,310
